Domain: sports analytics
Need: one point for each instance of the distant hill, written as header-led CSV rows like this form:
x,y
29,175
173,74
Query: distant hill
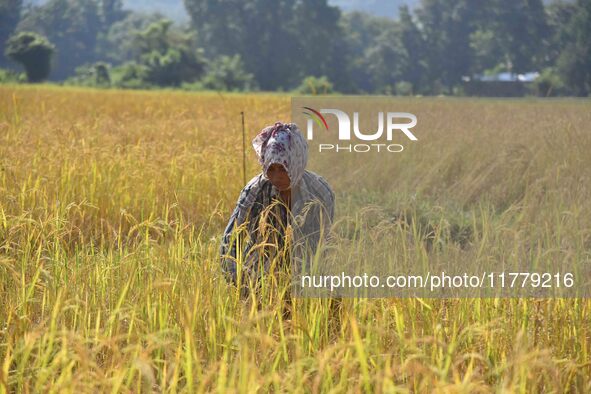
x,y
175,9
387,8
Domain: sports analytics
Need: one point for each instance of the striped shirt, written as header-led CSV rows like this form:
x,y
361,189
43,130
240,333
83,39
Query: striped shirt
x,y
264,219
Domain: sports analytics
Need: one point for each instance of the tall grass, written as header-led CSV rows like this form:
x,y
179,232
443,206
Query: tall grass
x,y
112,204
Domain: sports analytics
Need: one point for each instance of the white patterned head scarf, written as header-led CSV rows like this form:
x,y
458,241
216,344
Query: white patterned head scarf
x,y
282,143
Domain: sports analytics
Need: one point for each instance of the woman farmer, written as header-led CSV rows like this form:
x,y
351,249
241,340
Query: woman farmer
x,y
284,198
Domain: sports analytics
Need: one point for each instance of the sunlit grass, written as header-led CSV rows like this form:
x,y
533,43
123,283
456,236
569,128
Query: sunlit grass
x,y
112,205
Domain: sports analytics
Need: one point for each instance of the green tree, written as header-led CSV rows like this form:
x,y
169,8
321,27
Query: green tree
x,y
74,27
220,24
321,47
385,60
487,52
118,44
360,31
170,57
129,75
280,41
559,15
515,33
258,30
447,26
34,52
414,67
111,11
10,13
549,83
314,85
227,73
96,75
574,61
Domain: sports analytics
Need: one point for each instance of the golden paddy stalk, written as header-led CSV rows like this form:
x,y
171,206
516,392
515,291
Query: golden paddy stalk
x,y
112,204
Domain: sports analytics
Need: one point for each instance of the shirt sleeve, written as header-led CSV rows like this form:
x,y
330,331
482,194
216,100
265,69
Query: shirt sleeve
x,y
315,220
228,249
230,237
328,199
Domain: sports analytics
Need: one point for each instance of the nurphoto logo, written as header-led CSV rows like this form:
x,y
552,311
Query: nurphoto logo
x,y
396,123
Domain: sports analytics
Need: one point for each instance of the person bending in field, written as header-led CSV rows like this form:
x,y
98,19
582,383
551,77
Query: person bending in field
x,y
283,199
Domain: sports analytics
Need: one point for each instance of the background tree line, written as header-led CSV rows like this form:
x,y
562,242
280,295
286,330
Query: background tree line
x,y
286,44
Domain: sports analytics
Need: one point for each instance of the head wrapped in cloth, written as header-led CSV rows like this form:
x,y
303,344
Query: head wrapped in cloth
x,y
282,143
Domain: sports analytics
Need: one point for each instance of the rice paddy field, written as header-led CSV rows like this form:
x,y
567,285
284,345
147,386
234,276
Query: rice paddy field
x,y
112,204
